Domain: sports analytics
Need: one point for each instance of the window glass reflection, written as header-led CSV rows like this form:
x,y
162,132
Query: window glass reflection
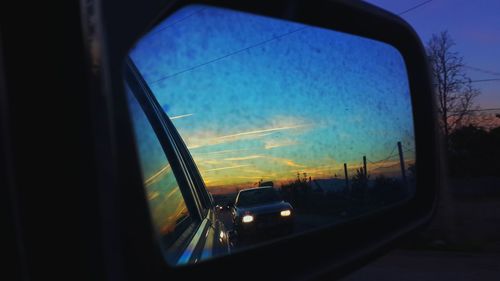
x,y
167,206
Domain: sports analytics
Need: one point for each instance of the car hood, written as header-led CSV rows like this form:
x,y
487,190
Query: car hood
x,y
265,208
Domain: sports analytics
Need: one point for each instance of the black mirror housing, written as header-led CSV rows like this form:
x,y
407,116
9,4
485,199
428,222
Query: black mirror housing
x,y
326,253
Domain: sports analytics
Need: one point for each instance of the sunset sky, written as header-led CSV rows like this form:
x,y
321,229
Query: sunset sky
x,y
475,28
258,98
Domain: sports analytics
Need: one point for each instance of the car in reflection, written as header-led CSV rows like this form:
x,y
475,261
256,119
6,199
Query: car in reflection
x,y
261,211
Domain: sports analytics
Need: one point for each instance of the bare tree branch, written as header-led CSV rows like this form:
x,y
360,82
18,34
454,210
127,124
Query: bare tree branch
x,y
454,90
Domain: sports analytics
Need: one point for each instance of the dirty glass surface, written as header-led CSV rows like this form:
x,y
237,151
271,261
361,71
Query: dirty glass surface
x,y
322,117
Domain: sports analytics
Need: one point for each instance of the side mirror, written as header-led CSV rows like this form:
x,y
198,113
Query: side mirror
x,y
329,103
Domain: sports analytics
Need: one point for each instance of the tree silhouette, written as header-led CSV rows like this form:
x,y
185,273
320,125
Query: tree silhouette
x,y
359,183
387,189
474,152
454,89
298,191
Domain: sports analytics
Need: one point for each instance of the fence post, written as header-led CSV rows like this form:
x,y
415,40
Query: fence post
x,y
402,162
346,178
364,167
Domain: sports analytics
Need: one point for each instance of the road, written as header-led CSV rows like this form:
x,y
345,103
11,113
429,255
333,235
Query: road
x,y
403,265
303,222
466,224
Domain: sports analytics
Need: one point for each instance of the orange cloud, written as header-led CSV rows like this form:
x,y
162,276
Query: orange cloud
x,y
197,142
261,131
153,195
172,192
154,178
219,152
202,139
243,158
225,168
270,144
286,161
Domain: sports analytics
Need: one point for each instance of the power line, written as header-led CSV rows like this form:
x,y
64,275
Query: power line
x,y
385,167
475,81
230,54
384,159
414,7
486,109
484,80
476,110
409,150
482,70
178,21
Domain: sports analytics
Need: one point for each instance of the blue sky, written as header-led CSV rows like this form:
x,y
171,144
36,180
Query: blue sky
x,y
473,25
255,97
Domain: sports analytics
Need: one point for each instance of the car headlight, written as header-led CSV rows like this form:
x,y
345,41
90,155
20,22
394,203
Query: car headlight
x,y
247,219
286,213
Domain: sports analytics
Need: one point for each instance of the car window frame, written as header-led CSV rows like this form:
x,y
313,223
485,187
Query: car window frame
x,y
182,168
204,197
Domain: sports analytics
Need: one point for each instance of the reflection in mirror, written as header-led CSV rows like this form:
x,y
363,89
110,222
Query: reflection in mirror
x,y
292,127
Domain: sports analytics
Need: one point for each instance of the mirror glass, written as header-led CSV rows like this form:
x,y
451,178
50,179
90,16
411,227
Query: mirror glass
x,y
291,127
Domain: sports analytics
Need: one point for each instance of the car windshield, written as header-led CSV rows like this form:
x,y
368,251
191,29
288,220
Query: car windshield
x,y
257,197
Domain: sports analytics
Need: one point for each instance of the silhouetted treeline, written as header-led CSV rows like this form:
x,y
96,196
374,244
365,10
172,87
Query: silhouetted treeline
x,y
297,192
362,194
359,183
474,152
389,189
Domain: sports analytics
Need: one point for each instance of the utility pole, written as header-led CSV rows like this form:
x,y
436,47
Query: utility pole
x,y
365,172
346,177
402,162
